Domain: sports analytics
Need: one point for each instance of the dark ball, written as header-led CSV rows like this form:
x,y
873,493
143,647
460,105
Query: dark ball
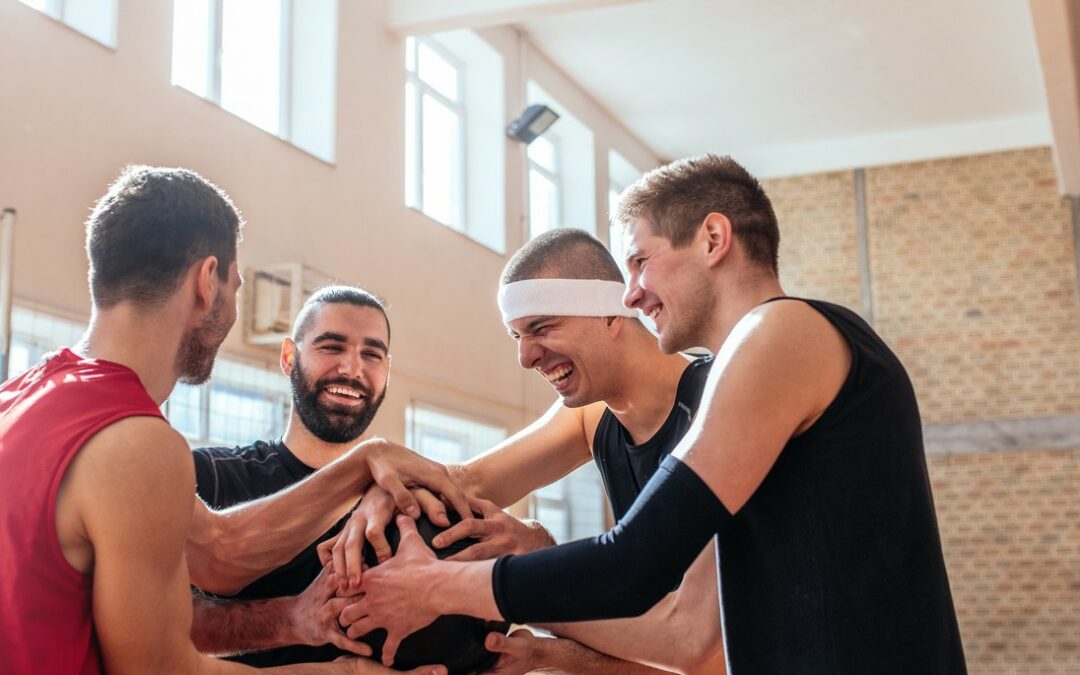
x,y
456,642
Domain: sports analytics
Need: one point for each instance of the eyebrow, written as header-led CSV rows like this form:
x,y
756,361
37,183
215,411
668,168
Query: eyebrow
x,y
338,337
531,326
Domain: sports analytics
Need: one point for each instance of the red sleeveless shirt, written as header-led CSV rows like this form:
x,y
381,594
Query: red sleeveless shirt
x,y
46,415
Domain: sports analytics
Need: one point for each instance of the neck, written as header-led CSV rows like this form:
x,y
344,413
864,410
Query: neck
x,y
147,342
309,448
648,380
733,300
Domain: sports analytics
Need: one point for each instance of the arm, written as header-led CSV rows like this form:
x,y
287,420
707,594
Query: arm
x,y
129,494
776,373
538,455
522,652
225,627
689,617
229,549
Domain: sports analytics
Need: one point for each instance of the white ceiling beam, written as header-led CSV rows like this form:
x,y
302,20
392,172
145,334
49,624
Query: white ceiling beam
x,y
1057,32
423,17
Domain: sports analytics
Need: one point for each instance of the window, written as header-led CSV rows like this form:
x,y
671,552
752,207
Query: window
x,y
573,507
621,175
239,404
94,18
434,133
562,172
262,61
545,204
448,438
455,147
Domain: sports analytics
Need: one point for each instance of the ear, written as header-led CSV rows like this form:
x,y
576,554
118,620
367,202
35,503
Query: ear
x,y
206,282
288,356
716,236
614,324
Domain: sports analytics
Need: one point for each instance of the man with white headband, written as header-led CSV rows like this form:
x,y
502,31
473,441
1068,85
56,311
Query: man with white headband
x,y
623,404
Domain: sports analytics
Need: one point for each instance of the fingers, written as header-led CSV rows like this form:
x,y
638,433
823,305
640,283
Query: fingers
x,y
432,506
467,528
351,545
326,550
403,498
390,647
411,541
483,506
339,640
376,534
484,551
451,493
518,644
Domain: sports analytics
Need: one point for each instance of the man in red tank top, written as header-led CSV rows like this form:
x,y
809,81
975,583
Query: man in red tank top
x,y
98,515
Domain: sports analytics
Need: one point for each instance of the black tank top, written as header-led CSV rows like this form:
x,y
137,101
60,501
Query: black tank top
x,y
834,565
626,467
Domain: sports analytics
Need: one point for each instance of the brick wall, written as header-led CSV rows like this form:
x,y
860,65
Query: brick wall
x,y
973,284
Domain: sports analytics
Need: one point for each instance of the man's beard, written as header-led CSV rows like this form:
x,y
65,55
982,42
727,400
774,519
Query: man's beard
x,y
195,360
329,423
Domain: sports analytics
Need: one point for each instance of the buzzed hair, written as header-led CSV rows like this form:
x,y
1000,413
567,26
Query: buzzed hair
x,y
676,198
336,295
562,253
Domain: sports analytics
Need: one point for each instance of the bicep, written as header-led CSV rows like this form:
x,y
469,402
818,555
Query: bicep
x,y
542,453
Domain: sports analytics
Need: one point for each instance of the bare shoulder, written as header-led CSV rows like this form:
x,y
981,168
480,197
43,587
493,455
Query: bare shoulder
x,y
137,448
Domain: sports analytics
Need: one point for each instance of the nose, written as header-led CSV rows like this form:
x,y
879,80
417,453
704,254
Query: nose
x,y
529,353
351,365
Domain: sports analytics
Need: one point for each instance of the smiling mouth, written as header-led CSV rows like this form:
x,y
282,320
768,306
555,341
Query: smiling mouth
x,y
559,375
344,394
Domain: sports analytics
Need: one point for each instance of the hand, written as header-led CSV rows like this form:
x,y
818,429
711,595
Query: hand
x,y
395,594
368,521
314,616
498,533
395,468
519,652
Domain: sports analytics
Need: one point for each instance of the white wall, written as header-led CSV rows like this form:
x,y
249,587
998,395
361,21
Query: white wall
x,y
73,113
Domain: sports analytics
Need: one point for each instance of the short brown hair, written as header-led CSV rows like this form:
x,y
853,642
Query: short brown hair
x,y
676,198
562,253
150,227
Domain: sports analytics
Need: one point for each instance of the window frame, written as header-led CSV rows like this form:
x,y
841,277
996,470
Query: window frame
x,y
554,176
422,88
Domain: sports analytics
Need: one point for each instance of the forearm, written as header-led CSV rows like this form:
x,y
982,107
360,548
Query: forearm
x,y
571,658
227,627
672,520
229,549
689,617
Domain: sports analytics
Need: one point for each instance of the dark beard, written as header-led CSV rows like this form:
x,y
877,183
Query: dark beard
x,y
195,361
329,423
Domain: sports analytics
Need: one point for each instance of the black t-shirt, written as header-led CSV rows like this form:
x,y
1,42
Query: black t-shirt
x,y
834,565
626,467
228,476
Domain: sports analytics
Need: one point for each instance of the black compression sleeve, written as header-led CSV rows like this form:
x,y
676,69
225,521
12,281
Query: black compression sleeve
x,y
623,572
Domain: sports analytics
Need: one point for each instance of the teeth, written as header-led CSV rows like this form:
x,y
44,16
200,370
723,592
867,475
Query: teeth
x,y
343,391
559,373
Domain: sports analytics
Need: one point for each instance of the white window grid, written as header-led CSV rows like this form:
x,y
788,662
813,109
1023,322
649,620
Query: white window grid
x,y
615,230
422,89
61,11
554,176
214,51
446,436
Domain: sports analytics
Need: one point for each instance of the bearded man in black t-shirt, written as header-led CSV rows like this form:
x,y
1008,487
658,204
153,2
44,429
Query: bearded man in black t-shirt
x,y
338,363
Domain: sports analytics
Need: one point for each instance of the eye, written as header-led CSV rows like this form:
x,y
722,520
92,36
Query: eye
x,y
375,356
331,348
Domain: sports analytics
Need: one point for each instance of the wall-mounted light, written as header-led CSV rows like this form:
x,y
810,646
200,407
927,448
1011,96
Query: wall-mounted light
x,y
534,121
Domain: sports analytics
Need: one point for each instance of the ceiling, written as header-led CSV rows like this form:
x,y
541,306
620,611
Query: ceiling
x,y
795,86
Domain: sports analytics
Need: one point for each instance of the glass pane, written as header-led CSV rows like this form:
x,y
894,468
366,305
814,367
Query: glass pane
x,y
19,359
542,153
438,72
556,518
442,162
543,203
251,61
556,490
185,410
191,36
238,416
615,231
411,197
96,18
410,54
40,5
441,447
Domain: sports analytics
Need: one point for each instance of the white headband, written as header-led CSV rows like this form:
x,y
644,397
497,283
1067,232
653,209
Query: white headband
x,y
562,297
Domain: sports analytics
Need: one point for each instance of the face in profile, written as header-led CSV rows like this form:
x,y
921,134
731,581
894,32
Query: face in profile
x,y
340,370
199,346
